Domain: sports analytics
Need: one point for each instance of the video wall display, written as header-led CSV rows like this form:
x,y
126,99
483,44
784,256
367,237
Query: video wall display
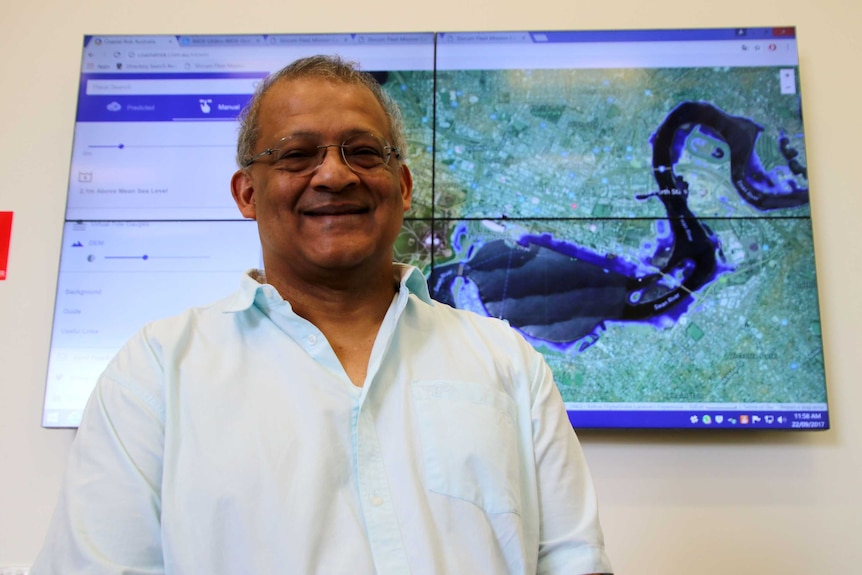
x,y
635,203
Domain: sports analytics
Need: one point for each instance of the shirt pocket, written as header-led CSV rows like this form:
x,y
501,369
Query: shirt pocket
x,y
469,443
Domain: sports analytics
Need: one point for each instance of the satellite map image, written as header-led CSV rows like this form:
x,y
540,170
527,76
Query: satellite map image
x,y
647,230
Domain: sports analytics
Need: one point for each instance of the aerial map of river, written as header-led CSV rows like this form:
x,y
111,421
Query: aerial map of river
x,y
647,230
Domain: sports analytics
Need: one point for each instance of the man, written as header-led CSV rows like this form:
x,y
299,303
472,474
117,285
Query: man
x,y
327,417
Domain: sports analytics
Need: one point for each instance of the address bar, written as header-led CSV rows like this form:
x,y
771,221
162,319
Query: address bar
x,y
551,55
179,87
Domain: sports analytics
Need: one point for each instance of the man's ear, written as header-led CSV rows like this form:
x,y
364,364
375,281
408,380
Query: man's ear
x,y
242,189
406,186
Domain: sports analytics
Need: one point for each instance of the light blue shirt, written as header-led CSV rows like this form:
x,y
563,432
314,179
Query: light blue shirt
x,y
230,440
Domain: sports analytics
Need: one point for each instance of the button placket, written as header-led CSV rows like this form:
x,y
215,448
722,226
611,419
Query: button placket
x,y
384,533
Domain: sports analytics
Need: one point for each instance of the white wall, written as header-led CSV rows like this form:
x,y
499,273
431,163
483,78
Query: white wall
x,y
672,503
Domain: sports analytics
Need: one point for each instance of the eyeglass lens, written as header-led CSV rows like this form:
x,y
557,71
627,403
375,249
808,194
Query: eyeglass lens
x,y
301,155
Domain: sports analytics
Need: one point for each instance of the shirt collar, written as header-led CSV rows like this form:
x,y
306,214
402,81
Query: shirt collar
x,y
412,280
255,291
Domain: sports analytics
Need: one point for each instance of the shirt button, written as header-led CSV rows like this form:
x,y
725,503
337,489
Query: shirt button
x,y
311,339
376,501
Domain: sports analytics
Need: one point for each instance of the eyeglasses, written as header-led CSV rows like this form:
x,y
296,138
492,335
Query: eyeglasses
x,y
301,155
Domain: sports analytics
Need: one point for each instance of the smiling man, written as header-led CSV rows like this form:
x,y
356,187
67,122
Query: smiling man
x,y
329,196
328,417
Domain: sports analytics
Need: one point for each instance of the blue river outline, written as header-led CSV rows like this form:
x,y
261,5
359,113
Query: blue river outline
x,y
562,295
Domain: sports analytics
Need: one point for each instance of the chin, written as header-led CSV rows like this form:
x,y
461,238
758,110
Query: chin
x,y
346,259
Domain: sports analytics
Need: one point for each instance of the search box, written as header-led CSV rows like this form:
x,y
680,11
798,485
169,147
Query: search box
x,y
179,87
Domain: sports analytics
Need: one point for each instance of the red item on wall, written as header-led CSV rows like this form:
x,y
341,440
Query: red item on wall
x,y
5,238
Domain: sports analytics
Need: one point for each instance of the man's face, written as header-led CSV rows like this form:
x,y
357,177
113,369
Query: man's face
x,y
332,218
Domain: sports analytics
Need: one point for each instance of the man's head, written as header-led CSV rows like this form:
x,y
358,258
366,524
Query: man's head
x,y
320,173
331,68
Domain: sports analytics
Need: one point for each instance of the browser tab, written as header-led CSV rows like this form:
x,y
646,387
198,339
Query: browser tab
x,y
308,39
787,32
426,38
129,41
221,40
484,37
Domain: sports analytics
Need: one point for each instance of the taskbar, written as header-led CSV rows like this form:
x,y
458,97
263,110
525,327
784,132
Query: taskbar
x,y
812,419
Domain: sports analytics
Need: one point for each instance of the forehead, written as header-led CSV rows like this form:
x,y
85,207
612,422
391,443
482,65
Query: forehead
x,y
320,106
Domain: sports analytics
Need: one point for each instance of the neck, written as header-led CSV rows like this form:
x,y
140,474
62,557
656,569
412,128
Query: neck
x,y
348,313
337,295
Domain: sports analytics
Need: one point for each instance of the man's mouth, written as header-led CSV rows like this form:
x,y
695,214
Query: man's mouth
x,y
335,210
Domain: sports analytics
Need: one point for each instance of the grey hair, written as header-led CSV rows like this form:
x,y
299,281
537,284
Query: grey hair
x,y
332,68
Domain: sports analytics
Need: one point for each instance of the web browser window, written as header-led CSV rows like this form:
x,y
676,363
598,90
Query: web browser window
x,y
151,227
634,202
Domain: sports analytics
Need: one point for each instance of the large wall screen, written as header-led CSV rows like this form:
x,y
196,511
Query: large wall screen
x,y
635,203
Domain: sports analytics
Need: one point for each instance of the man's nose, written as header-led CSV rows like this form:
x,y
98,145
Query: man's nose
x,y
333,166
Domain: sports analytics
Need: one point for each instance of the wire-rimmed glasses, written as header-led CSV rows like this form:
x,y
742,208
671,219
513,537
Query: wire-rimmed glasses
x,y
300,155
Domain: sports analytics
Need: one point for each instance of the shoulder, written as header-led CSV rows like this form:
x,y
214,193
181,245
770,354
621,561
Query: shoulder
x,y
473,343
219,314
156,342
442,317
144,366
